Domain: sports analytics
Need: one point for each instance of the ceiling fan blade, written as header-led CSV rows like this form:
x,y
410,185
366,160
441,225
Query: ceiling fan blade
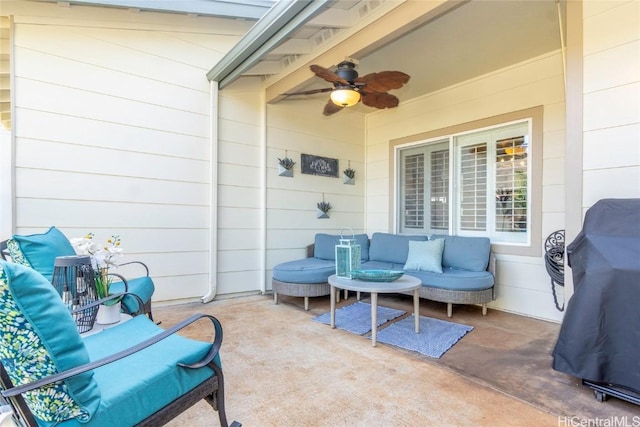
x,y
379,99
310,92
329,76
331,108
384,80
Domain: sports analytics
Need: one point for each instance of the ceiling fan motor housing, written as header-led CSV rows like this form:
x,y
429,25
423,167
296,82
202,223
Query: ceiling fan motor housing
x,y
346,70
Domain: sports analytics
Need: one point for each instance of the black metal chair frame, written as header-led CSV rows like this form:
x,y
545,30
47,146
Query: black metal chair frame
x,y
211,390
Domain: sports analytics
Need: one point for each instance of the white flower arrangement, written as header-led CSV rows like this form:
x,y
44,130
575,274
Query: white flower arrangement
x,y
102,258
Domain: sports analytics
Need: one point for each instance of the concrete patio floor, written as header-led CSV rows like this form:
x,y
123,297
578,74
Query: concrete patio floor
x,y
282,369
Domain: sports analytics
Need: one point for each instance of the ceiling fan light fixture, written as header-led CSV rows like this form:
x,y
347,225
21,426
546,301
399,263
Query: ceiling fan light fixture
x,y
345,97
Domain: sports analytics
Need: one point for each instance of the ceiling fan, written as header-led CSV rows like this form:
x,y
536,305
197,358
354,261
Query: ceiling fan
x,y
349,89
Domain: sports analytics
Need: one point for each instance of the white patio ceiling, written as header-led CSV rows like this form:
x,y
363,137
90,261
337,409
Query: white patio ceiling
x,y
438,43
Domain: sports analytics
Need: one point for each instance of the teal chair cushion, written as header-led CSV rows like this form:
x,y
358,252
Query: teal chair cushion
x,y
41,250
141,286
141,384
38,337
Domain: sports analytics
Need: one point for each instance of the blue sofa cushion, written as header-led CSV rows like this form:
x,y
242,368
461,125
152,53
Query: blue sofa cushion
x,y
391,247
33,347
325,246
455,280
465,253
307,270
139,385
41,250
425,256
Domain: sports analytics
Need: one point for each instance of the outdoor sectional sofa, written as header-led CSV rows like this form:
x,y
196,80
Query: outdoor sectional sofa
x,y
453,269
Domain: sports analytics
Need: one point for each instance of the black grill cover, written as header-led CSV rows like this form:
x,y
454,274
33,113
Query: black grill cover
x,y
599,338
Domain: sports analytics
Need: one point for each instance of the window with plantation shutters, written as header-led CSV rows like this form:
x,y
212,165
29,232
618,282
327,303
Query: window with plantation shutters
x,y
425,189
439,184
414,191
472,187
474,183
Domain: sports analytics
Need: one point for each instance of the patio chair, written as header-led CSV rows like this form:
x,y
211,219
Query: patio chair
x,y
134,373
39,252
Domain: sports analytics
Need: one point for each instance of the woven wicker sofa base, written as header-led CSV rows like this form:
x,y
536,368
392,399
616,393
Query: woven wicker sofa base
x,y
451,297
305,290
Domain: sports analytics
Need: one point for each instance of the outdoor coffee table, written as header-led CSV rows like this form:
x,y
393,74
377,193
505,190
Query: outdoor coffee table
x,y
404,283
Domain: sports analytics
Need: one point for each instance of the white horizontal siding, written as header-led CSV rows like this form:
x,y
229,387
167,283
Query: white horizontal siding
x,y
54,127
240,241
112,119
38,154
100,214
239,281
35,95
238,218
611,140
64,185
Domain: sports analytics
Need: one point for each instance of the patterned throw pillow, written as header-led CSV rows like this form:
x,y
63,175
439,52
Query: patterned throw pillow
x,y
29,349
16,254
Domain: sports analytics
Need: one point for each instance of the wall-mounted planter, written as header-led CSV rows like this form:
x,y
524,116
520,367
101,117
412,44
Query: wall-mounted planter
x,y
282,171
323,208
321,215
285,166
347,180
349,176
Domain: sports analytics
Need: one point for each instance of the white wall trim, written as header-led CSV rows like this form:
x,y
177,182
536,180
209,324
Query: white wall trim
x,y
263,192
574,133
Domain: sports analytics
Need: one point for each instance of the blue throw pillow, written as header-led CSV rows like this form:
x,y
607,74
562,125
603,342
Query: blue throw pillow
x,y
39,338
41,250
425,256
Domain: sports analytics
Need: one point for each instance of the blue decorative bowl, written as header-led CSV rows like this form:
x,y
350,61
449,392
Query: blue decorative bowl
x,y
377,275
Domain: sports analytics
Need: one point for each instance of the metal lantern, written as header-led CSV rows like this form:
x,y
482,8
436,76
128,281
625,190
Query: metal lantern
x,y
74,279
347,256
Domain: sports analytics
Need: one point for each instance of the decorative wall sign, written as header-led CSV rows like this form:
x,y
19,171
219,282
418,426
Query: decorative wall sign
x,y
316,165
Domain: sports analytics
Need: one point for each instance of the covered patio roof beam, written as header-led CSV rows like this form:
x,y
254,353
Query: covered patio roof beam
x,y
282,20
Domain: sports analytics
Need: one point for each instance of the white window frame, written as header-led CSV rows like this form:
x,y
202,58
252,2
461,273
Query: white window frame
x,y
505,238
534,117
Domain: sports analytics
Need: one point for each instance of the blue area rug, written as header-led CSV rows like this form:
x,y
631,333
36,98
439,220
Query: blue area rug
x,y
356,317
435,337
